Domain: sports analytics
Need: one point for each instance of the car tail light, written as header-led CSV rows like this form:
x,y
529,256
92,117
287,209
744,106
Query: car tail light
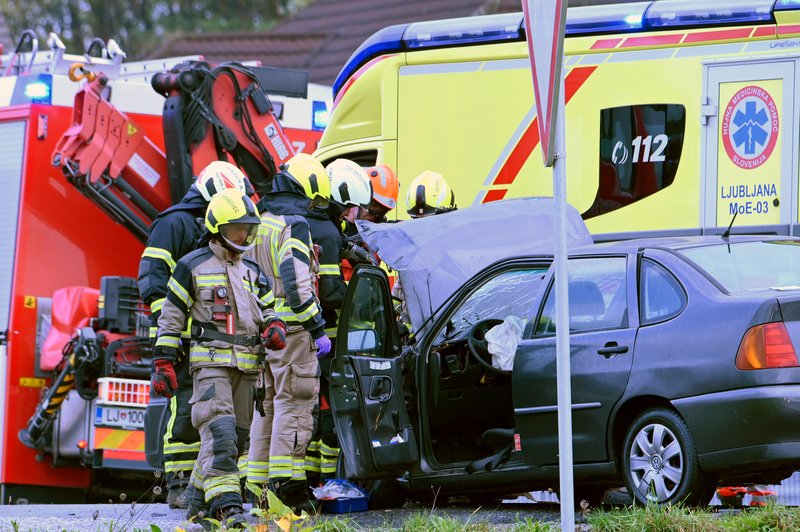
x,y
766,346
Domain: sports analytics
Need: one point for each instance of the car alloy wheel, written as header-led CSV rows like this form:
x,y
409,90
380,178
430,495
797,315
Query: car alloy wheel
x,y
656,462
660,462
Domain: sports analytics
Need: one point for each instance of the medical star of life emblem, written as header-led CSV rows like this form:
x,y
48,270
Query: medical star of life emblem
x,y
750,126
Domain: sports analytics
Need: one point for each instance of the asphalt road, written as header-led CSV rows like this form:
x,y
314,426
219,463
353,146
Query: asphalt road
x,y
131,517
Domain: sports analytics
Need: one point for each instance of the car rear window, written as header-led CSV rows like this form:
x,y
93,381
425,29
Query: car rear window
x,y
746,266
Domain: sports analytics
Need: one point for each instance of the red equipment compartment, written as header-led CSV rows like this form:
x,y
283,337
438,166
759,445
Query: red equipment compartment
x,y
62,239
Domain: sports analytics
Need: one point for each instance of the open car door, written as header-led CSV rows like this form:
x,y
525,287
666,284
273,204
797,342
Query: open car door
x,y
366,385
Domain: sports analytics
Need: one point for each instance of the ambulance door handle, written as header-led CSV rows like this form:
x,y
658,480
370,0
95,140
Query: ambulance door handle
x,y
706,110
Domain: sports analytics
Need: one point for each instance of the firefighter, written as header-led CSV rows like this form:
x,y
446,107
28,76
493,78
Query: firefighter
x,y
429,194
385,189
173,234
231,306
284,250
350,191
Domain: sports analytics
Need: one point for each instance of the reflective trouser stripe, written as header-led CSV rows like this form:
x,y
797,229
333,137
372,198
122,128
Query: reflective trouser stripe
x,y
313,459
330,455
177,463
257,472
286,467
228,483
243,465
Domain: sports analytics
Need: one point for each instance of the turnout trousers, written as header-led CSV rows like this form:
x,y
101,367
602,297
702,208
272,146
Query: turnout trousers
x,y
278,441
222,410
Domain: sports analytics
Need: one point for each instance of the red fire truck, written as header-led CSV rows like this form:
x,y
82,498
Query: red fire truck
x,y
85,169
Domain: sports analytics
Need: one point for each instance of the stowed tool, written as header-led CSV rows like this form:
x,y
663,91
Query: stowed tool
x,y
214,112
80,354
211,113
110,160
221,311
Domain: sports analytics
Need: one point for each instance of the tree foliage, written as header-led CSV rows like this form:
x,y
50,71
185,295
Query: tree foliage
x,y
139,25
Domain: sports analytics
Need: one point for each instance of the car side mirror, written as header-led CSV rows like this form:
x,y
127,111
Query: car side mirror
x,y
362,340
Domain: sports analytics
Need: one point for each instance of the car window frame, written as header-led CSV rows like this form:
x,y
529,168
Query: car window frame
x,y
639,291
531,329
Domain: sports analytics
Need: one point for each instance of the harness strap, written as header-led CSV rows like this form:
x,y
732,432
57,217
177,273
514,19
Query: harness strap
x,y
207,331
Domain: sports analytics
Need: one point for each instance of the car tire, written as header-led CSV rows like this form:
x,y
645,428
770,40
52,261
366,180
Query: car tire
x,y
660,464
385,493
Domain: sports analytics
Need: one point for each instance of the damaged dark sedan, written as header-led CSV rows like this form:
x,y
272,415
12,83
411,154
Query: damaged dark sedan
x,y
683,360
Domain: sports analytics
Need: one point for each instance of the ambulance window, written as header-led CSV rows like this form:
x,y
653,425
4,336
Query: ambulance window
x,y
365,158
640,148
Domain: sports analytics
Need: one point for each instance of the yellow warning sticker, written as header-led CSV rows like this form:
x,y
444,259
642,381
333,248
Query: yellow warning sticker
x,y
30,302
132,129
31,382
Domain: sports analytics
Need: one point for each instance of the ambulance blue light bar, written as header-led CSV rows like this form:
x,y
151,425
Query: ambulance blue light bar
x,y
783,5
467,30
683,13
386,41
613,18
592,20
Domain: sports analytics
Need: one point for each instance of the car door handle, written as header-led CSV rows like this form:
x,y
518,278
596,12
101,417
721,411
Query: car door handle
x,y
612,348
380,389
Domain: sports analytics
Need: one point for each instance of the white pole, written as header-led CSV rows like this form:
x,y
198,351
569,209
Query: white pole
x,y
563,372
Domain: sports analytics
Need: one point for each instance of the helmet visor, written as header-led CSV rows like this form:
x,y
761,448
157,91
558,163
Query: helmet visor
x,y
319,202
239,236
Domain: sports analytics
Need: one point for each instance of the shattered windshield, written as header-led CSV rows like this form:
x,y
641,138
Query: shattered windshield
x,y
509,293
746,266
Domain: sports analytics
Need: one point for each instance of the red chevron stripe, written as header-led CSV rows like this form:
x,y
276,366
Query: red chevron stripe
x,y
530,139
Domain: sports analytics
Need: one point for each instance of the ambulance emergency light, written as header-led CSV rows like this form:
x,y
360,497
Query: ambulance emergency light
x,y
674,13
466,30
612,18
782,5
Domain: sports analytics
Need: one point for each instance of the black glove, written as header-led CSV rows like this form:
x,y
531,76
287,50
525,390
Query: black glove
x,y
357,255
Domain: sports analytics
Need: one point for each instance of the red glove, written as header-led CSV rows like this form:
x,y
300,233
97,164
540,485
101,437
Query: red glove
x,y
275,336
164,382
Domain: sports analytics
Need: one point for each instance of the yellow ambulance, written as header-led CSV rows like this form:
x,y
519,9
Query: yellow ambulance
x,y
680,113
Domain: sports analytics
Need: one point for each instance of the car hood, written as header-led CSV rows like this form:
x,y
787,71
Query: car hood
x,y
435,255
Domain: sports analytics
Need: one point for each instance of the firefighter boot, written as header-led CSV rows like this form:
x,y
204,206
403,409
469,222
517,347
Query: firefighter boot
x,y
232,518
295,494
195,503
177,496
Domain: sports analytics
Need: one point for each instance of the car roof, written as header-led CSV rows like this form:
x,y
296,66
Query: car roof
x,y
675,243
